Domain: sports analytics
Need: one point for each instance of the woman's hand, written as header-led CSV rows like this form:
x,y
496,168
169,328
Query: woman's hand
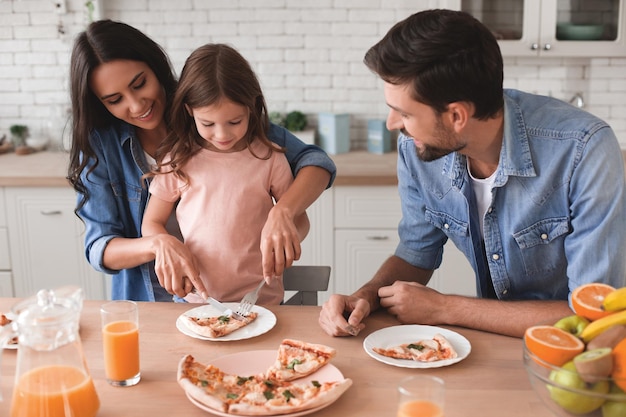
x,y
280,242
175,266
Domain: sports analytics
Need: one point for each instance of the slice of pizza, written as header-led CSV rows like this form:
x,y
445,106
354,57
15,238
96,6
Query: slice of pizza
x,y
427,350
297,359
218,326
253,395
270,398
4,321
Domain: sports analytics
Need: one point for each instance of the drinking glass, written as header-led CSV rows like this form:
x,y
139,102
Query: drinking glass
x,y
120,338
421,396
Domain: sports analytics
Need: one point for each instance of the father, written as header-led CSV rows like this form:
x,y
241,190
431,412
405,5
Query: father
x,y
529,188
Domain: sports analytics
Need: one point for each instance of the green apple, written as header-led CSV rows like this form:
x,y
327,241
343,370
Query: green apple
x,y
574,324
613,408
576,402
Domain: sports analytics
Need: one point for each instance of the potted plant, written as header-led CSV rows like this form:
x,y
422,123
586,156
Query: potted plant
x,y
296,122
19,133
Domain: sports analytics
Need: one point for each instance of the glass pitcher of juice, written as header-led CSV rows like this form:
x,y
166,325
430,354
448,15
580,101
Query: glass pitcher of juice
x,y
51,375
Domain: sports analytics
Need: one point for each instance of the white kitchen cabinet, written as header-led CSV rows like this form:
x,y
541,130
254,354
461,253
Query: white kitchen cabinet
x,y
366,234
46,242
536,27
6,282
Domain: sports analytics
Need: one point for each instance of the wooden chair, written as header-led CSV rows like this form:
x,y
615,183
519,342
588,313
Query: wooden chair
x,y
307,280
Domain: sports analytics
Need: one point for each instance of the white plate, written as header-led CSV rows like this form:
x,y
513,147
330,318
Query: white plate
x,y
11,317
264,322
397,335
257,361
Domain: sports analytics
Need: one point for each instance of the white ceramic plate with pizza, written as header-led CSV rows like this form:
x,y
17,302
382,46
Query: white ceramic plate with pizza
x,y
258,361
265,321
10,344
411,333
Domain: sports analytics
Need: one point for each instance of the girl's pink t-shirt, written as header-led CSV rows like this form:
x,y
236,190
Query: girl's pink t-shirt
x,y
221,214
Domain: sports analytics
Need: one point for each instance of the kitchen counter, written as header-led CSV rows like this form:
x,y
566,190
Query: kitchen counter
x,y
49,169
39,169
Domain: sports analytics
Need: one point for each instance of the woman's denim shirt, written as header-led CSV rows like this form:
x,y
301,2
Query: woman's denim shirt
x,y
118,197
557,217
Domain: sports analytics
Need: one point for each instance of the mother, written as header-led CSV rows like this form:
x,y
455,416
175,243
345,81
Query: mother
x,y
121,85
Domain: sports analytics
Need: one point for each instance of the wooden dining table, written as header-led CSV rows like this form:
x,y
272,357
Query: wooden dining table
x,y
490,382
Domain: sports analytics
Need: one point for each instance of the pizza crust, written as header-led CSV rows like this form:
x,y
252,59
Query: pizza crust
x,y
189,376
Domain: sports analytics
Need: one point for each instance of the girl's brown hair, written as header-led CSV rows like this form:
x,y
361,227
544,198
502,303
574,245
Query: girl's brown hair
x,y
211,73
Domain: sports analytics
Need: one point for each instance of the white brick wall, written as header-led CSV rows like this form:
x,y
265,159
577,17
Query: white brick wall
x,y
308,55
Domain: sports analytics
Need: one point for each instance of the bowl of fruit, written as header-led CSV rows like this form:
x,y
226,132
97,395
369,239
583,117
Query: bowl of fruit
x,y
577,365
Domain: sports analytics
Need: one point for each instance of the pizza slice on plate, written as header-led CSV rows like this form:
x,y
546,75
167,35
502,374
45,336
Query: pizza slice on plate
x,y
4,321
427,350
297,359
253,395
218,326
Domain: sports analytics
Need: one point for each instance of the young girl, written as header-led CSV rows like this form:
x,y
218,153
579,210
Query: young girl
x,y
225,173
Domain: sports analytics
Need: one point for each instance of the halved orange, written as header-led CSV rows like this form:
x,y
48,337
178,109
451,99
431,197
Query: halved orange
x,y
587,300
552,344
619,365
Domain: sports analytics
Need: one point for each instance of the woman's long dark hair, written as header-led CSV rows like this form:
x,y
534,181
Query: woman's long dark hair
x,y
104,41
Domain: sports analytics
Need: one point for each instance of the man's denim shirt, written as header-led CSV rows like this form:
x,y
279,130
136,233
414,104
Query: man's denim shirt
x,y
118,197
557,218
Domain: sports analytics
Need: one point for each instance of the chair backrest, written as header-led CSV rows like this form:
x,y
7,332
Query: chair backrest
x,y
307,280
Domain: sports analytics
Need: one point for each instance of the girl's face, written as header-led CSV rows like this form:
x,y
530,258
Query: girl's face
x,y
223,125
130,91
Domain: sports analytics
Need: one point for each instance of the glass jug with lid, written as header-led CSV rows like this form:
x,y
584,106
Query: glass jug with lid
x,y
51,376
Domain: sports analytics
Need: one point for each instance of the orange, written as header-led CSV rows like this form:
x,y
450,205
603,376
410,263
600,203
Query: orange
x,y
619,365
587,300
552,345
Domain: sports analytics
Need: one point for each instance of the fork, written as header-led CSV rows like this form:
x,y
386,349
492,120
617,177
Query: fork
x,y
248,300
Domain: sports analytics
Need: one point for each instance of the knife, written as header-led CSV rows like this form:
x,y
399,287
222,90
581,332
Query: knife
x,y
222,308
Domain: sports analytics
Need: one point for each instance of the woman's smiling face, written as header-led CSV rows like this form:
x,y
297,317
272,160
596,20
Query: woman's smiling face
x,y
130,91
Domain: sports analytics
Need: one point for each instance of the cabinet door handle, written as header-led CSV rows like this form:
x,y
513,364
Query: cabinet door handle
x,y
377,237
547,47
50,212
534,46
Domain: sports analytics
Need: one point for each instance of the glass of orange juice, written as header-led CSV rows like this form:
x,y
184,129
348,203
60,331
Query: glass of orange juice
x,y
120,338
421,396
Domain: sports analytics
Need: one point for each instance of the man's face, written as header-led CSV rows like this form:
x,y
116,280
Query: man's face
x,y
432,137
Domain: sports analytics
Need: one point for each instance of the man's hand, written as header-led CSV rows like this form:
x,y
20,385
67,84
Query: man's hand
x,y
332,318
412,303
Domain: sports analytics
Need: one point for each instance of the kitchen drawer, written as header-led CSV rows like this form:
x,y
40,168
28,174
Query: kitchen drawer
x,y
6,284
5,259
367,207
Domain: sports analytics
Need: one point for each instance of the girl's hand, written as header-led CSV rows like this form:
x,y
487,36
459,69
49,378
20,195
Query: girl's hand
x,y
280,243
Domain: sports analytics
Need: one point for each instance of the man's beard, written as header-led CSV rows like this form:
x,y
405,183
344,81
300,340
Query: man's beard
x,y
430,153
